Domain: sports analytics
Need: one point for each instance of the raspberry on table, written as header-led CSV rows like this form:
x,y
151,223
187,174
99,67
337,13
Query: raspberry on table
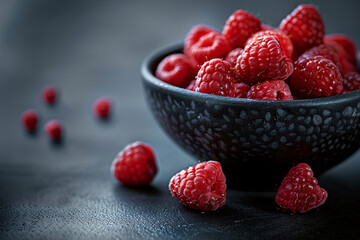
x,y
284,40
102,107
204,43
326,50
215,77
202,186
300,191
316,77
177,70
239,27
270,90
347,44
135,165
54,130
241,90
49,94
305,27
352,81
29,120
233,56
261,60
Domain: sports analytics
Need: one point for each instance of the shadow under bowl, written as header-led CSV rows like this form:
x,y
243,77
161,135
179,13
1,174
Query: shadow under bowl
x,y
255,141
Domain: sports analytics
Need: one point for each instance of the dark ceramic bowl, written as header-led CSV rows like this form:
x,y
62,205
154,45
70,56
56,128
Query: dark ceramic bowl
x,y
255,141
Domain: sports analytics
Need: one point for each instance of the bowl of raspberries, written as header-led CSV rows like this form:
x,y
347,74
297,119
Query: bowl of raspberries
x,y
259,99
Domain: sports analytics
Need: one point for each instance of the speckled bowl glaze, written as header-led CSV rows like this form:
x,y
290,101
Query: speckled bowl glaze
x,y
256,142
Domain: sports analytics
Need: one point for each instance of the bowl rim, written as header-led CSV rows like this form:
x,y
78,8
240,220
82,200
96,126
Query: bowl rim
x,y
149,77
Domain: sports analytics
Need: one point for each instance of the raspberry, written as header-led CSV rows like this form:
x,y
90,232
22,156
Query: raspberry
x,y
305,27
263,59
54,130
239,27
265,27
204,43
352,81
135,165
176,69
285,42
102,107
241,90
270,90
215,77
49,94
327,51
315,77
202,186
299,191
347,44
233,56
29,120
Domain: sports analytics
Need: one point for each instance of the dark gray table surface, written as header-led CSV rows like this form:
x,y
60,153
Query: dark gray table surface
x,y
90,49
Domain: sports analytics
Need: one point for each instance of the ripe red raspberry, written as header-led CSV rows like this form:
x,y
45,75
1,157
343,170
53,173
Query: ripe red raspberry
x,y
284,40
327,51
202,186
204,43
176,69
262,60
233,56
270,90
316,77
265,27
352,82
305,27
299,191
239,27
135,165
29,120
102,107
347,44
49,94
241,90
54,130
215,77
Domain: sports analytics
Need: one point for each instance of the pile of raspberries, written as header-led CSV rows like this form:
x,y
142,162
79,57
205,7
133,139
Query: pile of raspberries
x,y
249,59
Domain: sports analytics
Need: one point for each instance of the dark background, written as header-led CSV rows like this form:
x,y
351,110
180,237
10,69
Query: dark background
x,y
89,49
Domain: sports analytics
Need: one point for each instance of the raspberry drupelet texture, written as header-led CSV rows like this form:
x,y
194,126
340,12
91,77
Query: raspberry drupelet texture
x,y
345,65
239,27
270,90
233,56
241,90
204,43
29,120
102,107
202,186
300,191
49,95
177,70
261,60
351,82
215,77
305,27
316,77
346,43
54,130
284,40
326,50
135,165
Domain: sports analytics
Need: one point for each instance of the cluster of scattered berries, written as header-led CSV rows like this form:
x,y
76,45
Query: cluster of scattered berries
x,y
203,186
249,59
53,128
